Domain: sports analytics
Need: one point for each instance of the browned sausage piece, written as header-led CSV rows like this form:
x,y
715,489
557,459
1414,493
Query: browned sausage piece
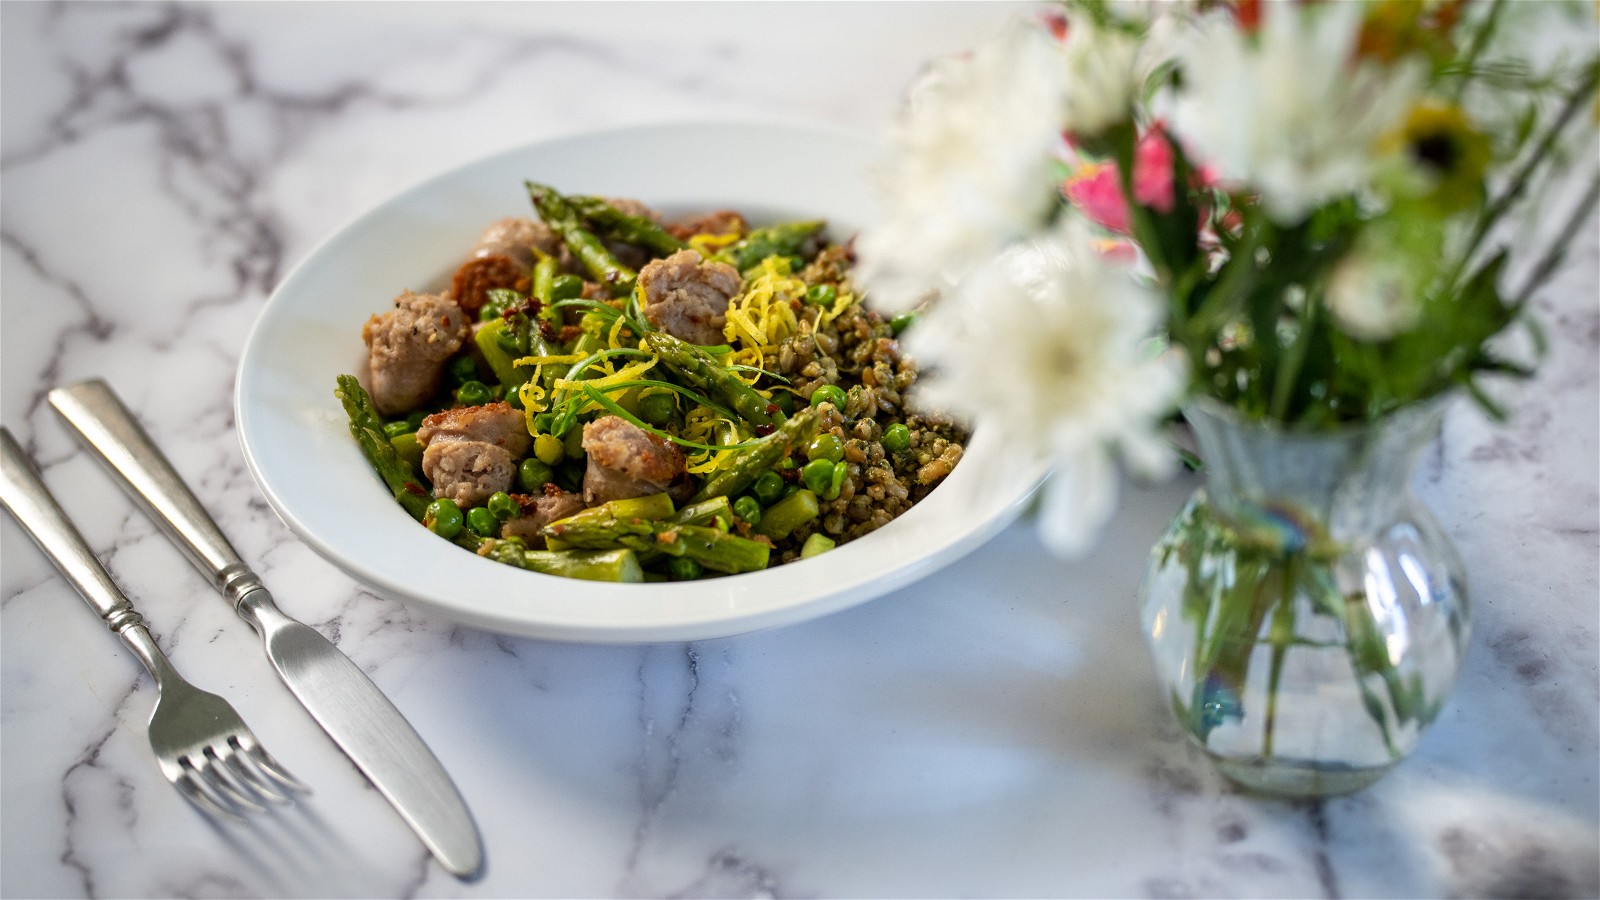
x,y
626,461
722,221
471,452
407,347
687,297
502,259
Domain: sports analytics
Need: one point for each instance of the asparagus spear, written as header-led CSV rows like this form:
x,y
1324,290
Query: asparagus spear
x,y
750,463
709,547
596,259
367,428
623,227
716,510
777,240
701,370
590,565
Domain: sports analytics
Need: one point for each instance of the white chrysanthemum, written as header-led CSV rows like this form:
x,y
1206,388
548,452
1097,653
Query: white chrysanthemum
x,y
1288,113
970,169
1052,346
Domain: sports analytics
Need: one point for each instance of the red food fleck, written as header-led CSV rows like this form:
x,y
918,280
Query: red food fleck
x,y
413,488
764,430
772,409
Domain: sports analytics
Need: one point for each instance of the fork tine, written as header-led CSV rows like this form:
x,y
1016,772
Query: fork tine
x,y
189,786
274,768
211,770
245,773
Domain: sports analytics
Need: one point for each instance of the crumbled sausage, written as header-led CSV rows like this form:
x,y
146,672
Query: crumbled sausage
x,y
537,512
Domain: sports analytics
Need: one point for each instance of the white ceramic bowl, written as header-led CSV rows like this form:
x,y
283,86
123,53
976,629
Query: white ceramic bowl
x,y
300,452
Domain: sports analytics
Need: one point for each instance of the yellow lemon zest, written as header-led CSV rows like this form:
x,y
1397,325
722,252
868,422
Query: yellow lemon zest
x,y
844,301
615,337
707,245
631,372
762,315
700,425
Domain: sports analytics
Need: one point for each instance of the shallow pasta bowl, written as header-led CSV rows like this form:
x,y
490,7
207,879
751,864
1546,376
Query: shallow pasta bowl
x,y
298,447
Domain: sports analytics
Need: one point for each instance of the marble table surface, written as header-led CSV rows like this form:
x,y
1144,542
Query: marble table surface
x,y
994,731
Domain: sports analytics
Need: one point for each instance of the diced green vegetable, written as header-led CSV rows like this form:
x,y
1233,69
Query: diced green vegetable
x,y
816,542
788,514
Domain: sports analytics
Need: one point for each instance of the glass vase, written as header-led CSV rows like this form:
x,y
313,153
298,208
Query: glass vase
x,y
1306,613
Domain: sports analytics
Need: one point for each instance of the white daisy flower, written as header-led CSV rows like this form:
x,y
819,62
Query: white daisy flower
x,y
970,168
1057,350
1105,73
1374,295
1287,113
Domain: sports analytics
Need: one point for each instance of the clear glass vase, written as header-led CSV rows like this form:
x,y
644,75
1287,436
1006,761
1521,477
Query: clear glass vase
x,y
1306,613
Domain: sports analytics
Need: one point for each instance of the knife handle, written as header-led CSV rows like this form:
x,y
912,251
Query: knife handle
x,y
106,426
25,495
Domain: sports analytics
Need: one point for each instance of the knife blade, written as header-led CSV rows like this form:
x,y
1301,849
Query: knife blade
x,y
339,696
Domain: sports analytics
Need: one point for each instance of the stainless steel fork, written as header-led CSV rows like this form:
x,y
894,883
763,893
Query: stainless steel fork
x,y
201,744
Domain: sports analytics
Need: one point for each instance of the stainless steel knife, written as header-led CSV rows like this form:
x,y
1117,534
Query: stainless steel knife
x,y
343,700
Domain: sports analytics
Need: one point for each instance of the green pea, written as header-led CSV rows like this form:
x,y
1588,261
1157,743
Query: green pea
x,y
897,438
902,322
566,287
682,568
395,429
825,446
548,449
784,401
572,442
829,393
542,423
463,369
534,474
513,395
817,475
443,517
790,490
748,509
836,482
502,507
480,520
657,409
474,393
768,487
822,295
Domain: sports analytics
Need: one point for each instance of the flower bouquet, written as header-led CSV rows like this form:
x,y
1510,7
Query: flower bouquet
x,y
1293,221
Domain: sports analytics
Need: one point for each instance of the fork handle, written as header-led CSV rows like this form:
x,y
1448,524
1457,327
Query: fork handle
x,y
26,496
103,423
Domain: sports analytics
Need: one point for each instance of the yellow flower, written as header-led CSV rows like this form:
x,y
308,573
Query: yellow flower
x,y
1439,142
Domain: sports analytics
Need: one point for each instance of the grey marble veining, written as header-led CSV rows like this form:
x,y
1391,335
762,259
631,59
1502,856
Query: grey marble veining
x,y
995,732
